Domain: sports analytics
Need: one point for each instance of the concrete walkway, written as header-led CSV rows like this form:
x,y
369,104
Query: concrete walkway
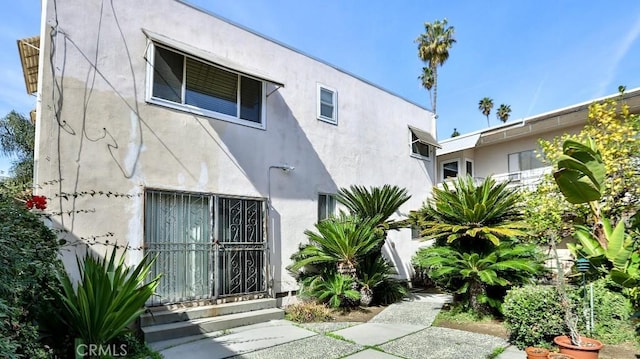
x,y
402,330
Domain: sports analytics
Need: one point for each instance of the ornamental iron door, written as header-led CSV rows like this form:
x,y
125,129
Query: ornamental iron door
x,y
197,262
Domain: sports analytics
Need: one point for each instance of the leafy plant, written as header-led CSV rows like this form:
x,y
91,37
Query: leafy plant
x,y
472,276
308,311
334,289
533,315
28,261
342,241
472,214
109,296
612,311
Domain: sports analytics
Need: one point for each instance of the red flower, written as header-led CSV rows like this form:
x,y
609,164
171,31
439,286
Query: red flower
x,y
39,202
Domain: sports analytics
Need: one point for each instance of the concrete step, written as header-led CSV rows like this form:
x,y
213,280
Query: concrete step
x,y
168,331
205,311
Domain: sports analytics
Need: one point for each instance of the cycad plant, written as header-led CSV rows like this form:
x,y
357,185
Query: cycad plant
x,y
340,242
335,289
469,215
380,202
108,297
480,280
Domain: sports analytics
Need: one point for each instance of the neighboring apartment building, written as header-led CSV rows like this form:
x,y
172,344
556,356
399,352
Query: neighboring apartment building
x,y
168,130
508,151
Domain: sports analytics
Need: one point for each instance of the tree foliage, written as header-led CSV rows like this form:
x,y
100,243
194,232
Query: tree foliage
x,y
466,212
614,133
485,105
433,49
503,113
17,136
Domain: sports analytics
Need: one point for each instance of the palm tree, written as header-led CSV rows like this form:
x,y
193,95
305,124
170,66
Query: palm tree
x,y
477,217
469,275
455,133
485,105
503,113
433,49
367,203
427,79
342,241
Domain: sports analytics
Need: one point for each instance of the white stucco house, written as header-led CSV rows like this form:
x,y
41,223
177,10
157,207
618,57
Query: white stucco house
x,y
165,129
508,151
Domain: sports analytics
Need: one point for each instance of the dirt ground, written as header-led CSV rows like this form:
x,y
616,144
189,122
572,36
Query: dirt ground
x,y
495,328
361,314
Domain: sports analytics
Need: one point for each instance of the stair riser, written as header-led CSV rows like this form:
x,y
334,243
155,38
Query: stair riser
x,y
147,320
208,327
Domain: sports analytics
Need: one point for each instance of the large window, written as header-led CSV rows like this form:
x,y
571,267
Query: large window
x,y
190,84
523,161
326,206
327,104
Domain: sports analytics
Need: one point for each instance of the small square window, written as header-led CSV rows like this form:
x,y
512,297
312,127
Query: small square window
x,y
450,170
326,206
415,233
327,104
419,147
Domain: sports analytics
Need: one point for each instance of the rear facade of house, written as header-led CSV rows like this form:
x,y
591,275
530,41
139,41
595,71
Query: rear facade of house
x,y
164,129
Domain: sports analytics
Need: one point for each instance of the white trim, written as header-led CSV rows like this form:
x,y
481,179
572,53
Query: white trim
x,y
334,98
194,109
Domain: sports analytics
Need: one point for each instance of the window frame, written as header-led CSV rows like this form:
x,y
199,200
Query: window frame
x,y
473,168
453,160
334,98
520,170
430,147
331,203
150,55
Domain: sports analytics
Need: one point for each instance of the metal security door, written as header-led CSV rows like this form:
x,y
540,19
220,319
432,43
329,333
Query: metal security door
x,y
240,246
178,231
207,246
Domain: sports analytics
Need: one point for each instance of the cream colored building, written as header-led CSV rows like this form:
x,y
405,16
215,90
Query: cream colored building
x,y
168,130
508,151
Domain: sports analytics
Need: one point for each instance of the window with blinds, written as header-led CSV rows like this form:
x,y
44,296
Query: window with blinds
x,y
191,84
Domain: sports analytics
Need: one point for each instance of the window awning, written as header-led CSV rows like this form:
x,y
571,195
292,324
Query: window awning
x,y
208,56
424,137
29,50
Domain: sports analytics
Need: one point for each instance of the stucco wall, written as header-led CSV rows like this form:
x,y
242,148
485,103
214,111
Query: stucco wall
x,y
96,132
493,159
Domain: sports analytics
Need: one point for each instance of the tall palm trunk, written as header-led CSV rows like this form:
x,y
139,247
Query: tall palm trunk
x,y
435,90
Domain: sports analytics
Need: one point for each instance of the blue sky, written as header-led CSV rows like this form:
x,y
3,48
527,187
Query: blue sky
x,y
534,55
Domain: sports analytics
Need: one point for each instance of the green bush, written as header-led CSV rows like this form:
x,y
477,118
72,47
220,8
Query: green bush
x,y
333,289
611,311
533,315
480,279
306,312
108,297
28,261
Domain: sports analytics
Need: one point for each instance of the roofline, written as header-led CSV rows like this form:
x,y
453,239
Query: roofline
x,y
549,114
254,32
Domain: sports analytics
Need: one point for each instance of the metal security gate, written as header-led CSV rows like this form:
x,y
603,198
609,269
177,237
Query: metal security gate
x,y
208,246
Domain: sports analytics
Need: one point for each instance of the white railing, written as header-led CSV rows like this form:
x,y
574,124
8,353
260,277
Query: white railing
x,y
527,179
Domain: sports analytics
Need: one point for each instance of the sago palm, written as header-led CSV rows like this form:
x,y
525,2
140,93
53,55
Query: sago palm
x,y
381,202
488,211
341,241
470,275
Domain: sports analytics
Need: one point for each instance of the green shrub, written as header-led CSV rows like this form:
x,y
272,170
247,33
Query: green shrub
x,y
28,261
305,312
108,297
533,315
333,289
480,279
611,310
